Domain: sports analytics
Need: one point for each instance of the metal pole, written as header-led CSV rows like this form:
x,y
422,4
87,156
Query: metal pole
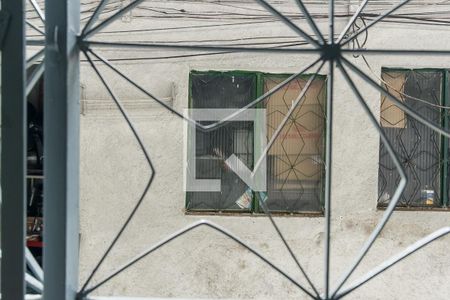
x,y
445,141
61,149
328,147
13,166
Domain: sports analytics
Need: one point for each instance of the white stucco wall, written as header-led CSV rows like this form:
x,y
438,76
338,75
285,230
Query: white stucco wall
x,y
204,264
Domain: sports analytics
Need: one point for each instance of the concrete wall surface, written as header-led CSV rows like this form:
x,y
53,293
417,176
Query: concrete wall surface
x,y
205,264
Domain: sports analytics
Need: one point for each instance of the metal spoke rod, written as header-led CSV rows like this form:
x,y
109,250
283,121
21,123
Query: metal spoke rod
x,y
397,102
183,232
397,194
109,89
35,57
213,126
393,260
341,290
30,297
329,151
34,78
352,21
396,52
38,10
298,102
35,42
35,27
94,16
310,21
147,158
328,168
33,265
375,21
111,19
33,283
280,234
289,23
276,49
263,3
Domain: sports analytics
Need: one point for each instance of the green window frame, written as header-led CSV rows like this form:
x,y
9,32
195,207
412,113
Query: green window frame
x,y
424,154
260,79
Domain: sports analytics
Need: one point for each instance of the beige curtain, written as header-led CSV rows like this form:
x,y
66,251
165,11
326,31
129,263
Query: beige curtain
x,y
299,147
390,115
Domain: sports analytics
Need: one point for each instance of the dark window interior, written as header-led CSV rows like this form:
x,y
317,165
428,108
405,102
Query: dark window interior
x,y
222,90
294,163
417,146
35,160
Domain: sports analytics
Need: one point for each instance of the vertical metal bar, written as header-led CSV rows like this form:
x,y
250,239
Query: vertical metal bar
x,y
259,92
445,143
331,21
328,155
13,166
328,146
61,149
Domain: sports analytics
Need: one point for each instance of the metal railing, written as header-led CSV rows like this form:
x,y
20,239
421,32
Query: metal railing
x,y
331,53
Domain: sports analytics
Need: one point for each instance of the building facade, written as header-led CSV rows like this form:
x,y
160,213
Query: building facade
x,y
204,264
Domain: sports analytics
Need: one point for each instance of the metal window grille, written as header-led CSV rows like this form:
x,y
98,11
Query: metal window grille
x,y
62,65
296,160
418,146
222,90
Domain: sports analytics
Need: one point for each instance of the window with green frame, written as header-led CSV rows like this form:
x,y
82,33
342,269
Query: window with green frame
x,y
422,152
295,168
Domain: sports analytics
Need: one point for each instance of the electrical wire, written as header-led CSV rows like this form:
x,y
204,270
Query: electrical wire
x,y
400,92
356,44
432,15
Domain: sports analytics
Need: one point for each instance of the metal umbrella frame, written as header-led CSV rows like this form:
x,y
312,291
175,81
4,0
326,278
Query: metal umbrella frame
x,y
331,53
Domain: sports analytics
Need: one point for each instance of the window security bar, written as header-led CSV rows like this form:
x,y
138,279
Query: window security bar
x,y
331,53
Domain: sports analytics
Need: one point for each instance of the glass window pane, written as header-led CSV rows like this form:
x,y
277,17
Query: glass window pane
x,y
418,147
223,90
295,161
